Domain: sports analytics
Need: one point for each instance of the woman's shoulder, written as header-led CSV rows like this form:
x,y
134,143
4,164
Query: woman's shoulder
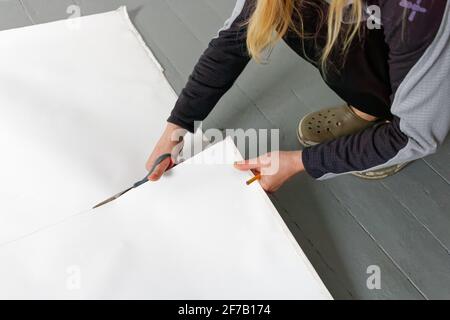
x,y
411,24
414,11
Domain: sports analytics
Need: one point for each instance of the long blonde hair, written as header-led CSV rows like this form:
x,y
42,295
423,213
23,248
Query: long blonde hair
x,y
272,19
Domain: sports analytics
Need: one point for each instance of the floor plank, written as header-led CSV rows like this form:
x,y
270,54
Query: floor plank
x,y
189,12
42,11
411,246
13,15
223,8
439,162
346,249
422,192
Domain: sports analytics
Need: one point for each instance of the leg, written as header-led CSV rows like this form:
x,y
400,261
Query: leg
x,y
364,115
328,124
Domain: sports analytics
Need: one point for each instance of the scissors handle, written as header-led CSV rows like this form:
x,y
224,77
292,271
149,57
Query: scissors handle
x,y
157,162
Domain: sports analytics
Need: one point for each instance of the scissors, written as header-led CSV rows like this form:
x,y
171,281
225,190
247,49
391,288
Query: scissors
x,y
157,162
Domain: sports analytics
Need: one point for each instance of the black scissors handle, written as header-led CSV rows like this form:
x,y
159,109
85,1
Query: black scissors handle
x,y
157,162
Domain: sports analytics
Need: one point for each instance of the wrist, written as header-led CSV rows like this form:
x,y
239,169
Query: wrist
x,y
297,162
170,127
173,133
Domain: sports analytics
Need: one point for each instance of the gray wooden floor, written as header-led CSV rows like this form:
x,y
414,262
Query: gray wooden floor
x,y
344,225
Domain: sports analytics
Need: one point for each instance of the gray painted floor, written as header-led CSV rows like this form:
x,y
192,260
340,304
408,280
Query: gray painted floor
x,y
344,225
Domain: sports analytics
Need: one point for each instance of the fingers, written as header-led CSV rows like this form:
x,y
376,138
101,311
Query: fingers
x,y
159,170
252,164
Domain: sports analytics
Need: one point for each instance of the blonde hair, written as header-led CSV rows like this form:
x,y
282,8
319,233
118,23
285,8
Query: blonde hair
x,y
272,19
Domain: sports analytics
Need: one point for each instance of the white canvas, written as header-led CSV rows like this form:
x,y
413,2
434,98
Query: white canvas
x,y
202,233
82,104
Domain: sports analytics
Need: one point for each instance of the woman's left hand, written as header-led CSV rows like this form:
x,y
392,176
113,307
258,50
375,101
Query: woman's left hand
x,y
275,168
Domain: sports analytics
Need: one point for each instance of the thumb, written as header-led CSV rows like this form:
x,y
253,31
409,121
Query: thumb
x,y
159,170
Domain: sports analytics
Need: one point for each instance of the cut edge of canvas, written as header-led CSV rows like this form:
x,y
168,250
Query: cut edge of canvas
x,y
123,12
285,229
325,292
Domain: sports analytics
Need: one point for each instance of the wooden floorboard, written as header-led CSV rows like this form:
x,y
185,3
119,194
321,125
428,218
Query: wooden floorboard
x,y
42,11
411,246
439,162
13,15
346,249
422,192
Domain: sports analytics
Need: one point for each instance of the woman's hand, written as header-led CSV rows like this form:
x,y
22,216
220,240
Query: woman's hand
x,y
275,168
170,142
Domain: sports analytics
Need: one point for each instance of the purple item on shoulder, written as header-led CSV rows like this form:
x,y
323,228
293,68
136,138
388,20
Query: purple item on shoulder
x,y
415,8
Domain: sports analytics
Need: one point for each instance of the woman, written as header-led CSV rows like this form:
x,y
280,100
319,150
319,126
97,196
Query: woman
x,y
394,78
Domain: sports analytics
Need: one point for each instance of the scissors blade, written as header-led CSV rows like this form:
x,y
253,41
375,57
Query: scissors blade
x,y
137,184
110,199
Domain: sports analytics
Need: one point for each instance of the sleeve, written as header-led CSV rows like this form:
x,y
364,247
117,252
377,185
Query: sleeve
x,y
419,61
216,71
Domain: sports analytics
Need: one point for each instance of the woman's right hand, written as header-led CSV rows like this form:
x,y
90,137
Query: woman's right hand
x,y
168,143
